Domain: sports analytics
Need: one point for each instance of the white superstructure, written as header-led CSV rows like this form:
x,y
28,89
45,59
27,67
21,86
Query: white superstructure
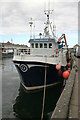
x,y
44,46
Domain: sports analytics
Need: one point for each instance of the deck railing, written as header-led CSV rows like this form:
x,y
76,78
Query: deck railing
x,y
22,51
38,52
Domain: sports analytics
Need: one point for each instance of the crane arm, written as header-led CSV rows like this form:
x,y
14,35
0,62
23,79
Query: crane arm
x,y
62,36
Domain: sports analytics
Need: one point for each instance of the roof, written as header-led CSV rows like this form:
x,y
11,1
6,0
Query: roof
x,y
11,44
77,45
43,40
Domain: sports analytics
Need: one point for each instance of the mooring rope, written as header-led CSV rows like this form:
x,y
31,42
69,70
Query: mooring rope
x,y
44,90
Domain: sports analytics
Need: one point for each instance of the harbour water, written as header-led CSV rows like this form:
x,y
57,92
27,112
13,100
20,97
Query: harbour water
x,y
0,89
19,103
10,86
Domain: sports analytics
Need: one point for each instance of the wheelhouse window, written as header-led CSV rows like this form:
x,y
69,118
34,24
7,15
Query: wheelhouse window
x,y
32,45
45,45
50,45
36,45
41,45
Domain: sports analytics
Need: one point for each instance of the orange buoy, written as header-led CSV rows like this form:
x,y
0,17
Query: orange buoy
x,y
59,72
69,58
66,74
56,50
68,64
69,71
58,67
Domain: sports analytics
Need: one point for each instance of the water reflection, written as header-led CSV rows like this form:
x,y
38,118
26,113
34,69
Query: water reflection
x,y
7,64
28,104
10,84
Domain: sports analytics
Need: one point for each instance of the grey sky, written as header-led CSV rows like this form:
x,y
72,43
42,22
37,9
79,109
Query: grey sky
x,y
15,16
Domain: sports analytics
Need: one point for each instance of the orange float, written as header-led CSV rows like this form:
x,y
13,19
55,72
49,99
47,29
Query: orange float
x,y
69,71
56,50
69,58
68,64
66,74
58,67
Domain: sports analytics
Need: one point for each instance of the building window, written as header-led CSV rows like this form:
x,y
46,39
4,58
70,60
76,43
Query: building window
x,y
50,45
41,45
32,45
45,45
36,45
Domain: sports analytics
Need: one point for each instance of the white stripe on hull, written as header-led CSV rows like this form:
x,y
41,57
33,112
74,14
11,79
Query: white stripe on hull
x,y
39,87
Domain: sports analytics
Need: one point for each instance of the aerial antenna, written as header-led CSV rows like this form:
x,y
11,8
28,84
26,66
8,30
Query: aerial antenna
x,y
54,26
49,5
54,29
34,29
47,24
11,40
44,5
31,23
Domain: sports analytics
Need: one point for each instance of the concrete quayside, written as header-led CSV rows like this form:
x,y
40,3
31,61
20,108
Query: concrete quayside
x,y
68,105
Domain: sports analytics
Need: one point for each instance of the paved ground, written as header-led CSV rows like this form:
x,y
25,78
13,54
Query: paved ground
x,y
79,85
74,111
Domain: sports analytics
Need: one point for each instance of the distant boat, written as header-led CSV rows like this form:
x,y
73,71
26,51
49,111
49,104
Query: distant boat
x,y
7,52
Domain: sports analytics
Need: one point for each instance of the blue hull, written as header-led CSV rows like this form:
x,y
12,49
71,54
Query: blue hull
x,y
34,76
29,103
7,54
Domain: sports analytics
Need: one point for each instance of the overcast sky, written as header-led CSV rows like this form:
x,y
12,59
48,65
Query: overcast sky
x,y
15,16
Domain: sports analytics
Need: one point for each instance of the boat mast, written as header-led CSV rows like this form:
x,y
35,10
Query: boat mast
x,y
48,23
46,29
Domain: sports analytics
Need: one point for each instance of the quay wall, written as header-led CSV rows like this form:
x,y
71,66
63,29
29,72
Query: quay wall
x,y
62,108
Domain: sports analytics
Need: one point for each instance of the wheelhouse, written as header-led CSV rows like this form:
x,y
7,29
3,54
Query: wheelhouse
x,y
43,46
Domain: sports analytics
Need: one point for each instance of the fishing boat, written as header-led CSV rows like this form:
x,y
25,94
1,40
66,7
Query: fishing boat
x,y
36,65
7,52
41,68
